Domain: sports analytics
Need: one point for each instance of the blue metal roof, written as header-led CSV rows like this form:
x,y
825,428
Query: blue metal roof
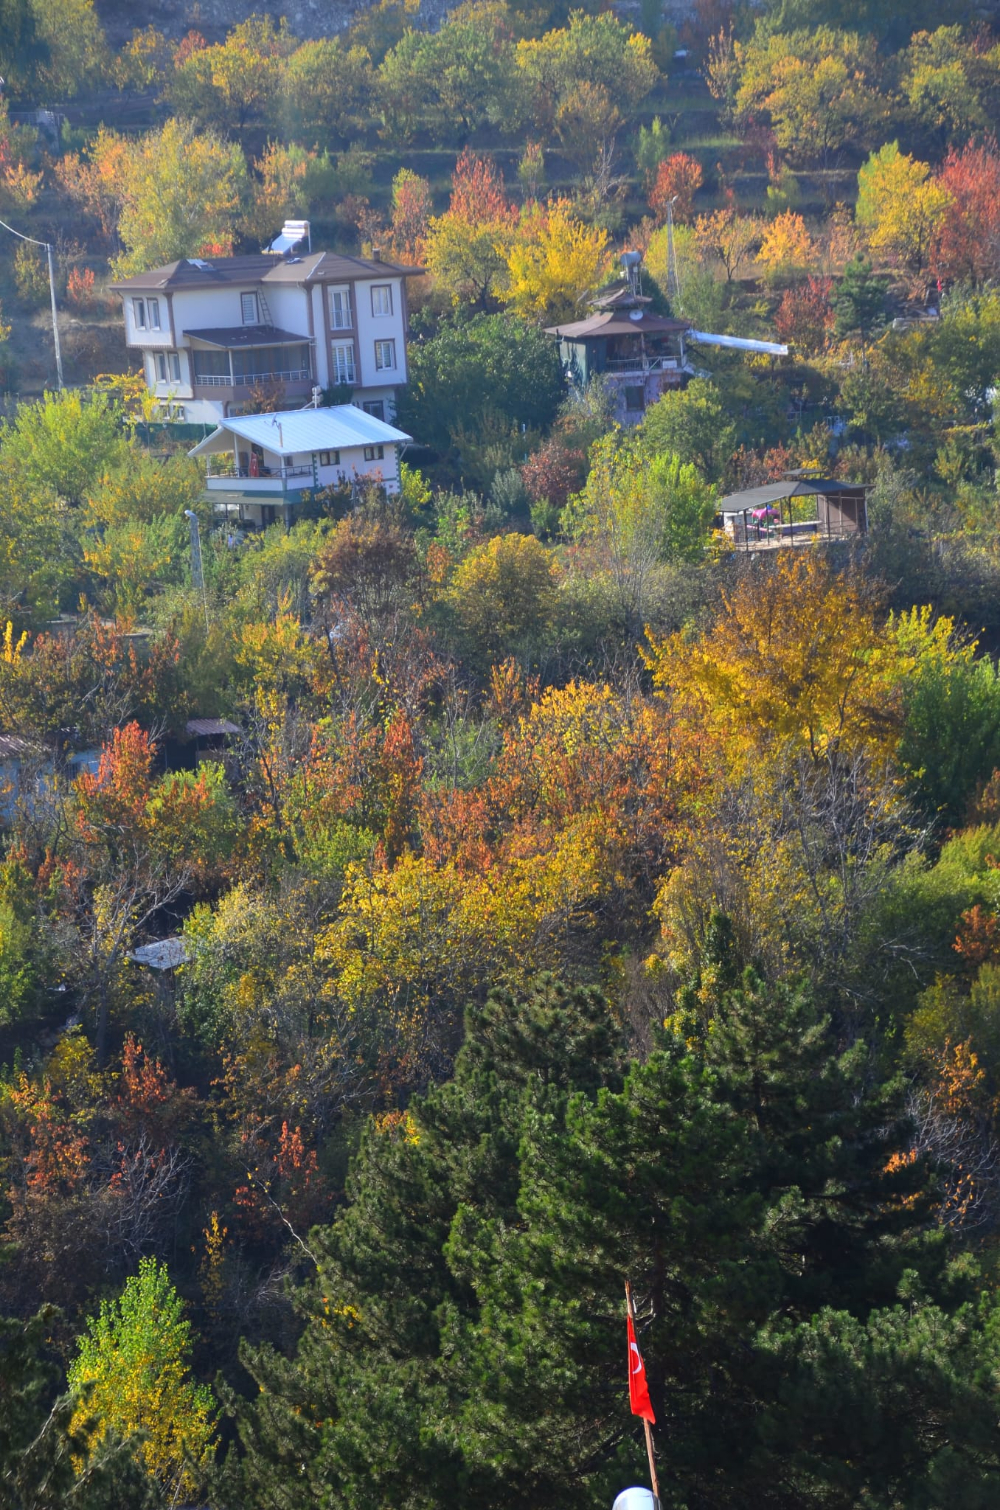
x,y
294,431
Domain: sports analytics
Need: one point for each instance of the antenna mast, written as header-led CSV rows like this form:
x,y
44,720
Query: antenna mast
x,y
673,282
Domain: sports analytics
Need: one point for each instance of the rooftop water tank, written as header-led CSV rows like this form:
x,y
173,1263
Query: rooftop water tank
x,y
636,1499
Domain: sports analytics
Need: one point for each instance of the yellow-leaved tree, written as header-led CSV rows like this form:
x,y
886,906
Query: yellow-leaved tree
x,y
133,1373
901,206
554,263
796,657
787,248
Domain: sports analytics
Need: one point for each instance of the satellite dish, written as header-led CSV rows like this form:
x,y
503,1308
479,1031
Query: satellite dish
x,y
635,314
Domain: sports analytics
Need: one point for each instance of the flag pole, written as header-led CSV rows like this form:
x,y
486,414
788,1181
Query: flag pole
x,y
654,1482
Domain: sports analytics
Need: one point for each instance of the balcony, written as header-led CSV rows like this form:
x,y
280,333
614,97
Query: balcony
x,y
227,380
222,472
641,365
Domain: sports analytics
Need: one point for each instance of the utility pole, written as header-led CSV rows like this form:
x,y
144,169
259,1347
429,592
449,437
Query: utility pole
x,y
673,282
55,314
47,246
197,566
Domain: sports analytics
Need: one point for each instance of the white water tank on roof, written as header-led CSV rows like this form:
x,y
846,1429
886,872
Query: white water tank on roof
x,y
636,1499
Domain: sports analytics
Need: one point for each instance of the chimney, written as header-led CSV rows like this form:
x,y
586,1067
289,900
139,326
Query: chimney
x,y
376,254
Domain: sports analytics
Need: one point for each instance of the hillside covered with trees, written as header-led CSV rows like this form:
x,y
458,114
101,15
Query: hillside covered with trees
x,y
554,894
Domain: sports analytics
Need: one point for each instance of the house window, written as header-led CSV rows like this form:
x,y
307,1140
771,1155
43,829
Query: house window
x,y
382,299
374,453
168,367
385,355
375,407
146,314
340,308
212,367
249,311
329,458
343,363
635,399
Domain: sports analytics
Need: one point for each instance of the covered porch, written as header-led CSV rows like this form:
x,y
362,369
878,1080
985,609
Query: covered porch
x,y
800,509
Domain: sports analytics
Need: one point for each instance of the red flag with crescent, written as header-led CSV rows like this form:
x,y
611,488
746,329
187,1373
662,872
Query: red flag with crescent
x,y
638,1389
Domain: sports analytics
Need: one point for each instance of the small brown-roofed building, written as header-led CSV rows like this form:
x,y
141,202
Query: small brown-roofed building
x,y
764,517
640,355
213,331
212,736
637,354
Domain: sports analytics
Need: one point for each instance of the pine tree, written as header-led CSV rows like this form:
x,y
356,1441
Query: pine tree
x,y
859,301
464,1339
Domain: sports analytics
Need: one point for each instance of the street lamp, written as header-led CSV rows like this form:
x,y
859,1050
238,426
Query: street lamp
x,y
52,289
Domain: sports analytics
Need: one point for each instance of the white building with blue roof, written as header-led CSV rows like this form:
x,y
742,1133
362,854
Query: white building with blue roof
x,y
265,464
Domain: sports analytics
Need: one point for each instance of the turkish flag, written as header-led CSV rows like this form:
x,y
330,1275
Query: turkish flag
x,y
638,1389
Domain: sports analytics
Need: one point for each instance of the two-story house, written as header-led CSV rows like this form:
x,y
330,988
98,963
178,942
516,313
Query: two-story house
x,y
212,330
266,464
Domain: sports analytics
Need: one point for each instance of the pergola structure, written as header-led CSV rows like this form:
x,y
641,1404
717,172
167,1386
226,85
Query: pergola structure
x,y
764,518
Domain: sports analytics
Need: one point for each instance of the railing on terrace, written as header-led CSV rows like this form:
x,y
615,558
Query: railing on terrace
x,y
219,466
223,380
642,364
757,535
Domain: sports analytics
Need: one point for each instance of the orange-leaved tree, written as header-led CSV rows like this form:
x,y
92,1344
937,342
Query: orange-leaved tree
x,y
678,179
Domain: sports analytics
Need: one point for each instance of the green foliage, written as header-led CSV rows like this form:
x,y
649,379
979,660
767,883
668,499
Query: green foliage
x,y
503,593
48,1459
652,147
738,1176
22,49
690,423
181,191
886,21
76,54
491,365
16,974
64,442
818,86
133,1361
951,732
859,301
452,80
31,274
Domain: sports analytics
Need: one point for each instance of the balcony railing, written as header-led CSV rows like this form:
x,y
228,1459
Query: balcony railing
x,y
221,466
642,364
223,380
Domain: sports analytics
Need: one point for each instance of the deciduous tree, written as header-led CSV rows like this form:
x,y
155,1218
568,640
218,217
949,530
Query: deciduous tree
x,y
901,206
678,179
134,1362
554,262
966,241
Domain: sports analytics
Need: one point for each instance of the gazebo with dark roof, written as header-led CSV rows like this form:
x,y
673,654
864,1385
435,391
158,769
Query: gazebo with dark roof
x,y
764,517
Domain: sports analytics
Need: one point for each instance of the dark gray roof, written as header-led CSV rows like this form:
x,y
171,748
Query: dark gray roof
x,y
773,492
614,322
245,335
261,267
208,726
